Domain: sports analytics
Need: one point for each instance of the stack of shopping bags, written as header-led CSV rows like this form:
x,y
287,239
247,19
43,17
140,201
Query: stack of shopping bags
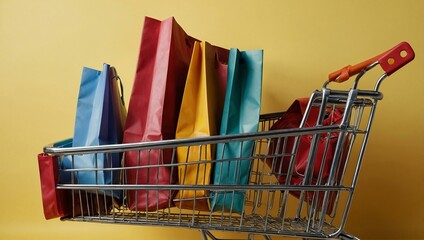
x,y
183,88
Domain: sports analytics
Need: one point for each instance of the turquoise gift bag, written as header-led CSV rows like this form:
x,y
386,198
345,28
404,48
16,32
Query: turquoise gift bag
x,y
240,115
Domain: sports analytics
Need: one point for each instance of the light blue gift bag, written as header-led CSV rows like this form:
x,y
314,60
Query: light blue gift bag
x,y
96,123
240,115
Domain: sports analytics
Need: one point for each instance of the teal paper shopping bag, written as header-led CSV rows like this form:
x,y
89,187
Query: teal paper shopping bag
x,y
240,115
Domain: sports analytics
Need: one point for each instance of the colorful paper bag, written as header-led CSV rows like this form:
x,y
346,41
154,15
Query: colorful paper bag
x,y
163,62
240,115
96,124
200,116
325,150
56,202
53,202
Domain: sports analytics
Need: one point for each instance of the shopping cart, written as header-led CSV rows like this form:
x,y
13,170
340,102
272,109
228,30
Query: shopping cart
x,y
271,208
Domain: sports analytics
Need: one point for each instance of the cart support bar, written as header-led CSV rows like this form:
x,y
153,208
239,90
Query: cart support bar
x,y
224,188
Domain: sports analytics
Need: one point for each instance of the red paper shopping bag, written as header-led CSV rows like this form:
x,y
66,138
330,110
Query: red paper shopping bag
x,y
325,150
53,199
153,109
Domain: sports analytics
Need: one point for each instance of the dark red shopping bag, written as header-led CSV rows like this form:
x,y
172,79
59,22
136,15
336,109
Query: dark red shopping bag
x,y
325,150
54,204
67,203
154,106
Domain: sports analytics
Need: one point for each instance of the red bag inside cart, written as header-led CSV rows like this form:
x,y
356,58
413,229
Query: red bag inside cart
x,y
324,153
153,110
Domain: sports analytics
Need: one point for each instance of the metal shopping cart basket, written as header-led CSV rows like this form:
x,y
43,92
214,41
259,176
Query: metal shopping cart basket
x,y
314,207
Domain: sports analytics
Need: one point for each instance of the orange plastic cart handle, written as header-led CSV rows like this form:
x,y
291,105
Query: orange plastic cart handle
x,y
390,61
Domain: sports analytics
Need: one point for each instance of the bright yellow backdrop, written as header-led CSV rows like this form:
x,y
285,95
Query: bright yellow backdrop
x,y
44,45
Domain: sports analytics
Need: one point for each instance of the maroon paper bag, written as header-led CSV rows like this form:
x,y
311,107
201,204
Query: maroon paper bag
x,y
292,119
153,109
53,202
67,203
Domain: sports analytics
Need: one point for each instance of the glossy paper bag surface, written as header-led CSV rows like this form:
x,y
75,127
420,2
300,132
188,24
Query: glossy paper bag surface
x,y
240,115
200,116
153,110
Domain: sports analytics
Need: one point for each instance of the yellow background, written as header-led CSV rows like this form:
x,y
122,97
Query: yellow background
x,y
44,45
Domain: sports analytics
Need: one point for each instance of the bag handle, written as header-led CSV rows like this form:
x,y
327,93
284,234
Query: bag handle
x,y
116,77
390,61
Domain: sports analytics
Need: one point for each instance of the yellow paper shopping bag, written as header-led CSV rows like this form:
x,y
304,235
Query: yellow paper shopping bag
x,y
200,115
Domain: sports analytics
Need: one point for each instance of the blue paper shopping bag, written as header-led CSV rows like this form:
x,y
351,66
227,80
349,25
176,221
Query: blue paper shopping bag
x,y
240,115
98,121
